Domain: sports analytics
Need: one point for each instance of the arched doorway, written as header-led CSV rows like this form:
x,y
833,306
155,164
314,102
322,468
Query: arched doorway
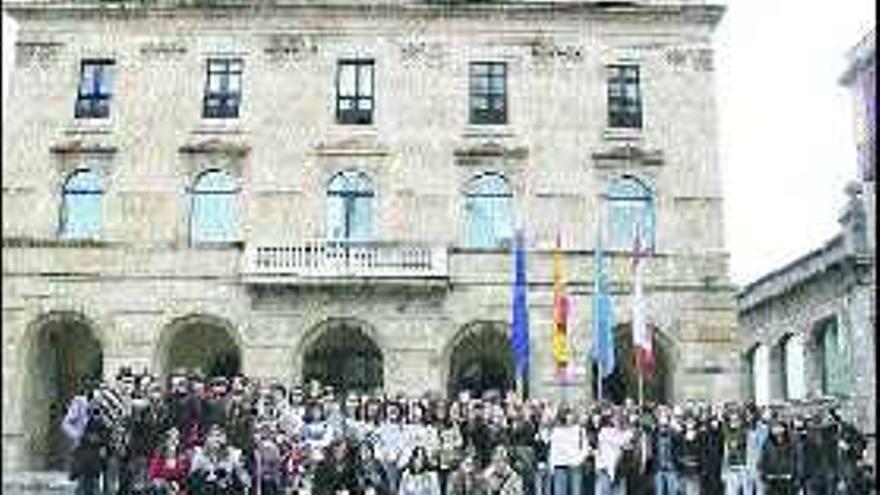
x,y
480,360
63,358
201,343
344,357
623,383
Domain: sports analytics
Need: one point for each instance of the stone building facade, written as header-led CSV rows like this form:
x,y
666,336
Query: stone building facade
x,y
141,230
810,326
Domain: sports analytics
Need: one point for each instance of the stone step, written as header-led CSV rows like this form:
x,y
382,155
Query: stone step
x,y
38,483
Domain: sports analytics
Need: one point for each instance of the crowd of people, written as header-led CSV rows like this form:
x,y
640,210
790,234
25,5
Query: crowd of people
x,y
191,435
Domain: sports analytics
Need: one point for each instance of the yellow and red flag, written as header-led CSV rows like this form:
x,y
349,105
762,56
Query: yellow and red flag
x,y
560,313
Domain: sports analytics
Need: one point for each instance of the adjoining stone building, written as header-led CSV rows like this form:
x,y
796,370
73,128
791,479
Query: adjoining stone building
x,y
299,189
810,326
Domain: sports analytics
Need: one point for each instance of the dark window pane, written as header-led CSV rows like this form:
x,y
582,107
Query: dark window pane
x,y
95,89
223,88
354,92
488,93
624,97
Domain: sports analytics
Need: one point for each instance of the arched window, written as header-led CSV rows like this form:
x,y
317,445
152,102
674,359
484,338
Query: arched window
x,y
350,206
630,204
762,374
750,375
81,206
830,357
488,212
214,216
795,383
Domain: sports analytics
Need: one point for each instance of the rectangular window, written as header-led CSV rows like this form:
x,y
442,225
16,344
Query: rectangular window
x,y
488,91
354,92
223,88
95,89
624,97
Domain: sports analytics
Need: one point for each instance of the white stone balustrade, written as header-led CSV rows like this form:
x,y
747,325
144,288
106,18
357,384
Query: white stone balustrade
x,y
323,260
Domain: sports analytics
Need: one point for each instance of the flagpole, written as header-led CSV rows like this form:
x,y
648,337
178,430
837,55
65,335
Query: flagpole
x,y
641,377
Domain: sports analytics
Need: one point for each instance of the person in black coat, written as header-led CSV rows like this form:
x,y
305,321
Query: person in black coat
x,y
776,464
216,404
666,452
479,435
690,455
713,458
335,473
818,472
521,439
800,443
90,456
370,478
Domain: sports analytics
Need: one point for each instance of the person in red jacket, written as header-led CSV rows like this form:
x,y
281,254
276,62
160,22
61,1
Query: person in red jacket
x,y
169,467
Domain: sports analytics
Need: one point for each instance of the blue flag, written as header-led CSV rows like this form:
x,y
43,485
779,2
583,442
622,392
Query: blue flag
x,y
519,338
603,319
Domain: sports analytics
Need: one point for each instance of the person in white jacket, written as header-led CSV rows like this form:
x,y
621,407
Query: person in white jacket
x,y
568,450
612,437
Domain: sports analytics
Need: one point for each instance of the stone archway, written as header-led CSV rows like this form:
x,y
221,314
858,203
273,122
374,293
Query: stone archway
x,y
200,342
63,356
480,360
343,354
623,382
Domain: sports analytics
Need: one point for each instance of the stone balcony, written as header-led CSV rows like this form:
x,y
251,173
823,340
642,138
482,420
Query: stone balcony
x,y
336,262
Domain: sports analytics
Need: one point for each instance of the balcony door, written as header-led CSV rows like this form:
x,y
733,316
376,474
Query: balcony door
x,y
350,207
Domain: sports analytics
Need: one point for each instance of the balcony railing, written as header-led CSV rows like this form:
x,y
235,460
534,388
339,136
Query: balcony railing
x,y
322,260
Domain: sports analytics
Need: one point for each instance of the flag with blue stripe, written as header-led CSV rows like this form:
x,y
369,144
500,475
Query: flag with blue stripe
x,y
519,339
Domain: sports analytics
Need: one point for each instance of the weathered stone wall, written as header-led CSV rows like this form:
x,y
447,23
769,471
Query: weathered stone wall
x,y
143,278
